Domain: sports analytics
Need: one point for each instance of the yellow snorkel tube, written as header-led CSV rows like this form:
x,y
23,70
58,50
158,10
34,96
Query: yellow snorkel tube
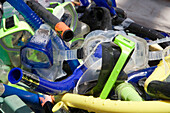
x,y
158,83
98,105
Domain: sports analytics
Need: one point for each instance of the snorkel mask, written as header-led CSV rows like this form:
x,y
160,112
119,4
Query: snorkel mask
x,y
99,68
142,54
13,35
40,54
65,12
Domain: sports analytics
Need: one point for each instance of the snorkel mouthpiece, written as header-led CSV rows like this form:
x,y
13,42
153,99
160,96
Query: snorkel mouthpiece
x,y
15,75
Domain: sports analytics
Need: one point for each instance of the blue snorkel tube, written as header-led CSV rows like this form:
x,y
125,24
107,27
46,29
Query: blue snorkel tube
x,y
41,85
113,3
137,75
29,98
29,15
103,3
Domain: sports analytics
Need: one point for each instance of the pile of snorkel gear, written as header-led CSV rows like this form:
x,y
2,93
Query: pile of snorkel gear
x,y
79,57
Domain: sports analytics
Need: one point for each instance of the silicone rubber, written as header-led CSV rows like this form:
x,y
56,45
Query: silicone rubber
x,y
98,105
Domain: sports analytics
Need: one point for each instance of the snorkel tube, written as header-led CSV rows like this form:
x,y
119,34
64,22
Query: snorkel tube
x,y
127,47
158,83
113,3
41,85
65,12
98,105
30,16
94,79
60,27
127,92
103,3
137,75
29,98
159,89
139,29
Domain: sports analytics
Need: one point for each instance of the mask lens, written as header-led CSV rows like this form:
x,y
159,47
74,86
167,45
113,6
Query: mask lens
x,y
90,75
36,56
16,40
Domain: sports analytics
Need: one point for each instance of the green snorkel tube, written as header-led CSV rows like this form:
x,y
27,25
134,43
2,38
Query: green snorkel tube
x,y
13,35
125,91
114,58
127,47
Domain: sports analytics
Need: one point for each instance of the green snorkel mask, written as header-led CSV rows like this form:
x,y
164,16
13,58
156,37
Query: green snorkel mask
x,y
65,12
13,35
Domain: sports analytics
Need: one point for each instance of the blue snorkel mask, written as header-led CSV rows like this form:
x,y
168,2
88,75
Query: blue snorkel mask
x,y
38,52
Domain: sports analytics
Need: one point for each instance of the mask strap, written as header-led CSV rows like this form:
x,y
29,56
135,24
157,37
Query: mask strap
x,y
158,55
165,53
